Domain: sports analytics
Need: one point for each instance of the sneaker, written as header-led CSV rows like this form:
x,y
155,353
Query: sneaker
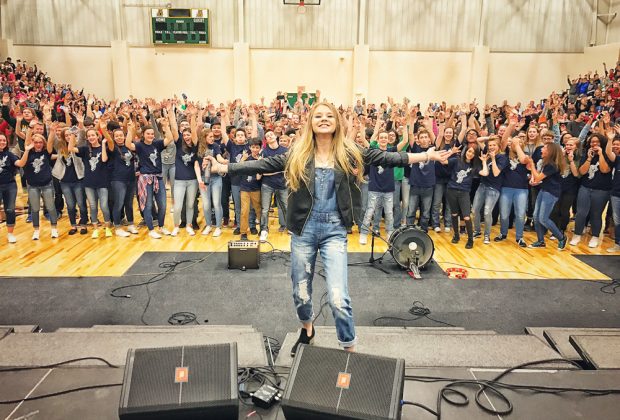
x,y
54,233
83,231
122,233
29,218
552,238
73,231
237,231
174,232
164,231
303,339
456,239
437,229
217,232
35,235
615,248
190,231
124,222
487,239
538,244
594,241
108,232
254,231
562,243
469,244
132,229
182,225
13,239
95,234
282,229
349,230
195,226
500,238
225,222
447,229
477,234
235,226
153,234
244,237
206,230
521,243
576,239
263,235
363,239
172,209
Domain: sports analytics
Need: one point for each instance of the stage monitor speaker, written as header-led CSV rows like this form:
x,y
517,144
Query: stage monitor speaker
x,y
334,384
243,255
191,382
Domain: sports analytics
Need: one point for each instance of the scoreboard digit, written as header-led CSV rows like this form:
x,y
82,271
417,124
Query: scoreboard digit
x,y
180,26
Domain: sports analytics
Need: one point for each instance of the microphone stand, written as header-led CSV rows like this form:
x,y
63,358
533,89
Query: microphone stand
x,y
372,261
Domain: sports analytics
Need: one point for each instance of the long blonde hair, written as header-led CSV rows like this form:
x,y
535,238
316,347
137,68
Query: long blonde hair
x,y
347,155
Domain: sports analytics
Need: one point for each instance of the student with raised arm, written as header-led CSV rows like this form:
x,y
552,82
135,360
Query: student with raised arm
x,y
210,184
612,150
323,171
8,187
150,182
185,182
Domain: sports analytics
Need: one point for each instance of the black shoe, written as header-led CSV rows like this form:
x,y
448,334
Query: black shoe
x,y
349,231
469,244
195,226
500,238
237,231
538,244
477,234
562,243
521,243
83,231
244,237
456,239
182,225
254,231
73,231
303,339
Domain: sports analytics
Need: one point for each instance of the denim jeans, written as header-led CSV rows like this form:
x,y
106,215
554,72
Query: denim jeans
x,y
364,194
485,199
544,205
404,196
376,202
615,205
590,202
34,196
9,195
438,197
396,208
212,194
266,192
160,199
123,192
184,190
508,198
168,172
101,195
324,233
423,198
75,198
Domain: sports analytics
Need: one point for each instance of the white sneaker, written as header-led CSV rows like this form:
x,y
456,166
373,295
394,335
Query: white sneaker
x,y
154,235
172,209
35,235
190,231
437,229
122,233
575,240
164,231
54,233
206,230
132,229
447,229
263,235
593,242
174,232
217,232
553,238
363,239
615,248
13,239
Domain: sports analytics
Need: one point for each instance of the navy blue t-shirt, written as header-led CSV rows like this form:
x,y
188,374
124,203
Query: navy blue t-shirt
x,y
38,169
594,178
570,183
515,175
491,180
249,182
7,167
442,172
553,180
423,173
70,175
123,164
95,170
615,186
235,151
150,156
184,161
381,179
274,181
461,174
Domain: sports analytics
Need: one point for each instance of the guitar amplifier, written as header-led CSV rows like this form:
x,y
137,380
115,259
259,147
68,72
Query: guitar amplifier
x,y
191,382
243,255
334,384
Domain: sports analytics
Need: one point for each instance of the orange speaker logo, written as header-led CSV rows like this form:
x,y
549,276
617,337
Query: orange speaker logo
x,y
181,374
344,380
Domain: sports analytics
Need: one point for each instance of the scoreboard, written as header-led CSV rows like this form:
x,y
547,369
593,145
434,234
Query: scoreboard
x,y
180,26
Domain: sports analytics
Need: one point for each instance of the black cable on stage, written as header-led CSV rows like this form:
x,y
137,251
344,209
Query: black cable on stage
x,y
56,394
54,365
183,318
418,310
610,287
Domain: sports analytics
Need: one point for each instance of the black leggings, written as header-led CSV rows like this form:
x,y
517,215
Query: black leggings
x,y
459,201
560,215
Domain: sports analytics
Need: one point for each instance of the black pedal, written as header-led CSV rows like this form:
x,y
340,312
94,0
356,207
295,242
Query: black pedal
x,y
265,396
243,255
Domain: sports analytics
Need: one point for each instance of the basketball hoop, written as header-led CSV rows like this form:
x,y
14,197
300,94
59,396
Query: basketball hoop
x,y
301,8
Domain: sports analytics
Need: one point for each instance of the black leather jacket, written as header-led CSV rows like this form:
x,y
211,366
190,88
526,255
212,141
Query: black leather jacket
x,y
300,202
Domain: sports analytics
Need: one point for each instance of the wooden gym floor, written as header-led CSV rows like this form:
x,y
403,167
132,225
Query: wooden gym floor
x,y
79,255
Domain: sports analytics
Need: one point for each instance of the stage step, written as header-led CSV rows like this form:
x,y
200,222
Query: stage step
x,y
49,348
161,328
537,332
559,338
407,331
19,329
4,331
442,350
602,352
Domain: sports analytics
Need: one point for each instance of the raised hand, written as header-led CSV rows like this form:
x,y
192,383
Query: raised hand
x,y
484,157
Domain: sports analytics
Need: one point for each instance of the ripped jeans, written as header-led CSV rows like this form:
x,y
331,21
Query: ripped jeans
x,y
324,233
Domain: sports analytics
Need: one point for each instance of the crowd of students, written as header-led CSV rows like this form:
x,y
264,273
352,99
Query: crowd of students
x,y
533,166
